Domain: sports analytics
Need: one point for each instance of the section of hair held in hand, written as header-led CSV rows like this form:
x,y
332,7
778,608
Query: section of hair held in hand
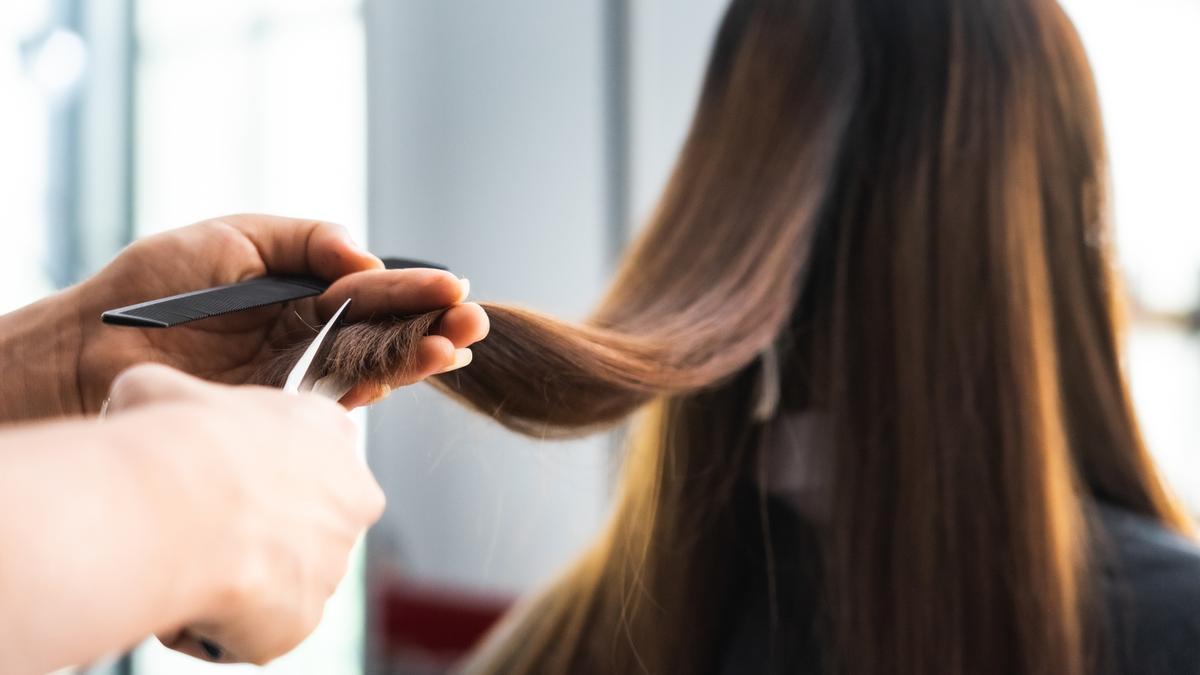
x,y
535,374
371,352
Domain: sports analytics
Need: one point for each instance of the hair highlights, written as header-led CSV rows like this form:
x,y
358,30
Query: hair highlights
x,y
906,200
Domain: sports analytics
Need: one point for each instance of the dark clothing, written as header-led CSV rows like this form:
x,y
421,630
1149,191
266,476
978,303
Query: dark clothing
x,y
1150,577
1152,582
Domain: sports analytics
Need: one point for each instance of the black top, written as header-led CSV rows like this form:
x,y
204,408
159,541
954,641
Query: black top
x,y
1151,579
1153,595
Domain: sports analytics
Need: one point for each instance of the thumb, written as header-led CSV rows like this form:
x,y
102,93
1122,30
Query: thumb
x,y
148,383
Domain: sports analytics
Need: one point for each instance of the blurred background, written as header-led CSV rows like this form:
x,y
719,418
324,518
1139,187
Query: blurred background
x,y
518,142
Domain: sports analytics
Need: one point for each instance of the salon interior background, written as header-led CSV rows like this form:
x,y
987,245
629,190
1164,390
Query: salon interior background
x,y
519,142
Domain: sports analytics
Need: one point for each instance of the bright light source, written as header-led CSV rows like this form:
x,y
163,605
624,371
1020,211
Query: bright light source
x,y
56,63
18,19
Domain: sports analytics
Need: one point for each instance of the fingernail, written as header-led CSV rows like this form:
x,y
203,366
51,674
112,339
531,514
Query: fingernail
x,y
465,283
462,357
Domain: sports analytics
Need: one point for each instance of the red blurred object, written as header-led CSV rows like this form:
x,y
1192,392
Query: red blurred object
x,y
432,624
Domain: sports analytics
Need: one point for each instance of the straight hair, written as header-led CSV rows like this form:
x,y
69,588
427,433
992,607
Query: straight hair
x,y
906,203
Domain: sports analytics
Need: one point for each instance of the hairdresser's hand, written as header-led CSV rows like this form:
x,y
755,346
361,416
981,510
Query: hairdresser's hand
x,y
271,491
68,358
194,511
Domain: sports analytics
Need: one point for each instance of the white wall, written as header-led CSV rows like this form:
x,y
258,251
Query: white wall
x,y
670,42
487,153
1145,56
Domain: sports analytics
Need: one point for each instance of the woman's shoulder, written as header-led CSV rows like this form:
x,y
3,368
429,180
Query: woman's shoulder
x,y
1147,543
1152,577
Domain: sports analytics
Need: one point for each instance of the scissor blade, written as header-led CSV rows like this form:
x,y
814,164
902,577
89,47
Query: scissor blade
x,y
308,369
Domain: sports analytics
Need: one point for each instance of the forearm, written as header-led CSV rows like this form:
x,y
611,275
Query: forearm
x,y
39,347
97,552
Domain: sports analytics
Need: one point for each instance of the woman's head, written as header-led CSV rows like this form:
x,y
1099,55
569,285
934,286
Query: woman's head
x,y
905,202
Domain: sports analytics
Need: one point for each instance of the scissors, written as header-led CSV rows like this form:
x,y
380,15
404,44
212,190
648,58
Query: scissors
x,y
305,376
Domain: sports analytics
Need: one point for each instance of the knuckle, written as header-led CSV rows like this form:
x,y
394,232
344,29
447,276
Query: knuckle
x,y
364,498
147,247
345,426
124,387
225,233
142,370
437,286
335,230
374,500
135,381
331,416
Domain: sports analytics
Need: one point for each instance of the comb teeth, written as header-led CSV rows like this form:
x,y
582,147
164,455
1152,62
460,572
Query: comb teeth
x,y
186,307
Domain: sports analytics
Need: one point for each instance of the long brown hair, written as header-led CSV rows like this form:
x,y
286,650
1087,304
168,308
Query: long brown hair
x,y
905,201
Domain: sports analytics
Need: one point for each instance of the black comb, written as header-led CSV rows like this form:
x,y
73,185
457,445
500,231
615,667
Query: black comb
x,y
270,290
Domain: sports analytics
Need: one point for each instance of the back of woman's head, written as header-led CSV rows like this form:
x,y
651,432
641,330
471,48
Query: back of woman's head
x,y
903,202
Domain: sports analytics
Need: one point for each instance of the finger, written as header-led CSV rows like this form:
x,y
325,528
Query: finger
x,y
464,324
294,246
364,395
394,292
372,502
433,354
149,383
326,413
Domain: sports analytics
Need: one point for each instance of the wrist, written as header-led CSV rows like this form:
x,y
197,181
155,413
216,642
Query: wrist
x,y
40,347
